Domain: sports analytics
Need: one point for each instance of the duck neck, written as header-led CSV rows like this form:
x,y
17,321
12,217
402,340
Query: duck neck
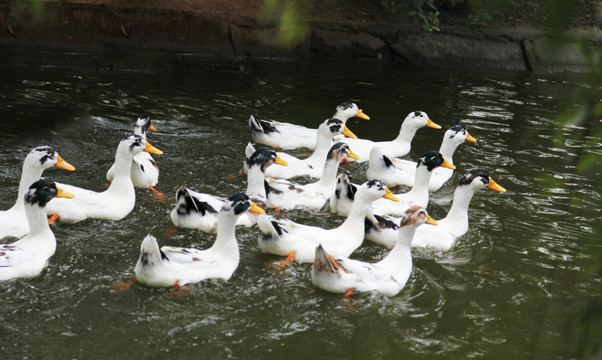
x,y
138,131
458,211
225,242
406,133
329,175
421,183
399,260
122,175
448,148
355,220
37,220
29,175
323,144
255,182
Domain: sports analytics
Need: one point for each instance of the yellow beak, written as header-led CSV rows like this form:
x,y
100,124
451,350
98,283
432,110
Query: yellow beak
x,y
353,155
60,163
389,195
279,161
63,194
431,221
151,149
469,138
152,127
256,209
361,115
494,186
348,133
447,164
431,124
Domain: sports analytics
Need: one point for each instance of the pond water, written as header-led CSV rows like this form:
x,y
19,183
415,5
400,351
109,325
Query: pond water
x,y
512,287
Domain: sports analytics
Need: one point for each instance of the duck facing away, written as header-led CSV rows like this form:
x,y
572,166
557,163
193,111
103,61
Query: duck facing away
x,y
286,136
389,276
401,145
396,172
287,195
200,211
313,166
177,266
145,171
28,256
13,221
116,202
298,241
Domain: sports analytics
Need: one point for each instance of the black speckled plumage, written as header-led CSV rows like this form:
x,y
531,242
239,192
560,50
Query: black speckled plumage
x,y
192,204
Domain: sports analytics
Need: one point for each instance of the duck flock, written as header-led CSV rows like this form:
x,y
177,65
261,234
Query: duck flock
x,y
372,211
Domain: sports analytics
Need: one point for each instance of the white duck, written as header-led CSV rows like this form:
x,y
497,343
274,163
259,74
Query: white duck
x,y
116,202
313,166
298,242
343,275
287,195
13,221
455,224
196,210
285,136
398,147
145,171
28,256
395,172
419,194
342,200
176,266
383,229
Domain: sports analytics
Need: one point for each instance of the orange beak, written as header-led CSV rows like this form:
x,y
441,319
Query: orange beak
x,y
431,124
361,115
279,161
447,164
470,139
64,194
348,133
256,209
494,186
60,163
151,149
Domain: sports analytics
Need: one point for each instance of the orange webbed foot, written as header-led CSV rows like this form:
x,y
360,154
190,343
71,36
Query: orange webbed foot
x,y
157,195
122,286
242,172
181,291
52,220
289,259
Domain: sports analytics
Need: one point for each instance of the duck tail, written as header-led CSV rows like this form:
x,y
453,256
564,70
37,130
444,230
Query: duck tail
x,y
345,188
324,262
268,229
181,193
250,149
255,125
187,203
150,253
378,160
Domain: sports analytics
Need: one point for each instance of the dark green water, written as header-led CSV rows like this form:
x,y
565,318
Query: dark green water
x,y
511,288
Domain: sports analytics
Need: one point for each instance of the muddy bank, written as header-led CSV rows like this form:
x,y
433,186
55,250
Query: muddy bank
x,y
190,35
